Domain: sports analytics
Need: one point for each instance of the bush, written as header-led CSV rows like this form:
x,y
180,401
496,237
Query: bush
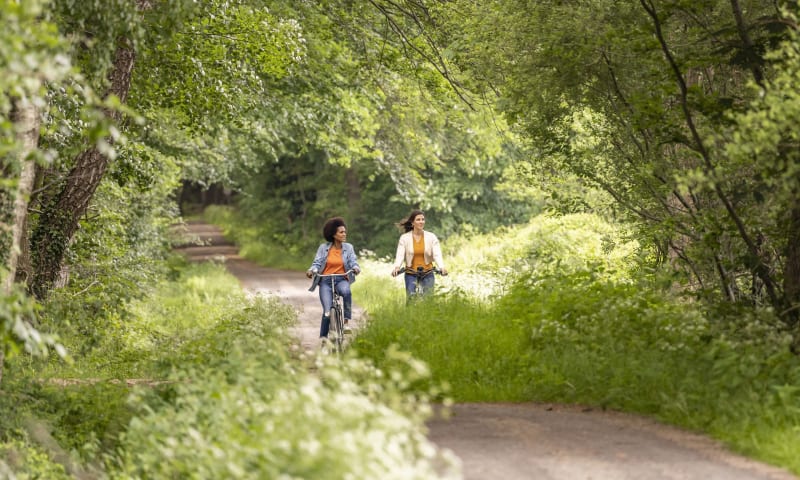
x,y
256,420
21,461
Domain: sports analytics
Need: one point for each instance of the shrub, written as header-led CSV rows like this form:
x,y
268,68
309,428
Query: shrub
x,y
253,422
22,461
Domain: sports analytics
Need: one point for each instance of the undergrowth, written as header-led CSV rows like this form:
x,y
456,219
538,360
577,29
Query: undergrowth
x,y
198,382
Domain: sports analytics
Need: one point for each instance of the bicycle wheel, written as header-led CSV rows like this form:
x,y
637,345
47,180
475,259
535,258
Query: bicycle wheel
x,y
419,290
337,324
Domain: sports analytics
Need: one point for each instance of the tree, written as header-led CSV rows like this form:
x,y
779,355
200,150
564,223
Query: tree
x,y
638,99
760,148
61,215
376,114
33,56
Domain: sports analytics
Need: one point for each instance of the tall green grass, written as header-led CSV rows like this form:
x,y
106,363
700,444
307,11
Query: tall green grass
x,y
581,326
459,340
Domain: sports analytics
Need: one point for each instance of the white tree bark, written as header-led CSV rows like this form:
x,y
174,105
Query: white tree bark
x,y
25,117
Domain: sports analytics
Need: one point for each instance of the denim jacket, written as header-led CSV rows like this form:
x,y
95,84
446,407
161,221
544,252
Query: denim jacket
x,y
348,257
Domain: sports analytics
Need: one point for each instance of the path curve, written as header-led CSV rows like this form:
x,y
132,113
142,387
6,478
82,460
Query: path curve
x,y
519,441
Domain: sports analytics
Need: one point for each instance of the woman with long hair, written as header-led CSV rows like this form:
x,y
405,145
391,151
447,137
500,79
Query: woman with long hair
x,y
419,251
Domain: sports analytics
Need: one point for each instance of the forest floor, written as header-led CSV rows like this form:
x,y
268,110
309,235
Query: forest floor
x,y
522,440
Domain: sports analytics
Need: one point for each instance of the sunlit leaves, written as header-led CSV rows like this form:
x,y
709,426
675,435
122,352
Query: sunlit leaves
x,y
219,63
32,53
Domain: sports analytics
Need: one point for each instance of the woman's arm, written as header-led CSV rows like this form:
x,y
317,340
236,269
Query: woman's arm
x,y
400,256
320,259
437,254
350,260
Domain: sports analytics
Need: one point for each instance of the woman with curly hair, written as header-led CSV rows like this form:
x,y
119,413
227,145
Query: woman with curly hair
x,y
335,257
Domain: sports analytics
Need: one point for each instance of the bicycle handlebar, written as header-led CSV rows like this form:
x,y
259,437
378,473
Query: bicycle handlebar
x,y
424,273
333,274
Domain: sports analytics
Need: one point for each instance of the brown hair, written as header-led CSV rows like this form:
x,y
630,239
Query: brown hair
x,y
407,224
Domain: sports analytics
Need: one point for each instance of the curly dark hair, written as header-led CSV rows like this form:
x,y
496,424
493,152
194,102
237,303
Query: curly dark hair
x,y
331,226
407,224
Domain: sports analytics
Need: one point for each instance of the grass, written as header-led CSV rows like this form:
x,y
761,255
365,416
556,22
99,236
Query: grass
x,y
467,361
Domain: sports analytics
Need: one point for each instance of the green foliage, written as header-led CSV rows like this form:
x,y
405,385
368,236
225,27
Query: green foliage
x,y
17,330
86,401
115,257
77,112
310,110
487,263
85,414
95,27
218,62
639,100
255,414
307,191
22,461
32,53
468,364
348,131
259,239
198,381
250,422
636,349
618,335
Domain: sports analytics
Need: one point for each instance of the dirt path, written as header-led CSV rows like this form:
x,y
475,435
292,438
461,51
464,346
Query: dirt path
x,y
523,441
290,286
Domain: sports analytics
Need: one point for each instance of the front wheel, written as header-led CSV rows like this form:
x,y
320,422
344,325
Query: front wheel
x,y
337,324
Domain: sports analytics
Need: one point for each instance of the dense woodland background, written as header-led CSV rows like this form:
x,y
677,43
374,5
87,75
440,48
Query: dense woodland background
x,y
667,130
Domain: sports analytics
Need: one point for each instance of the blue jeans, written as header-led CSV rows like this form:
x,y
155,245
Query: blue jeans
x,y
326,298
427,284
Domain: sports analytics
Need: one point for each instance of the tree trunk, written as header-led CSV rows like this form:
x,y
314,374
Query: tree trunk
x,y
15,204
60,218
791,277
26,118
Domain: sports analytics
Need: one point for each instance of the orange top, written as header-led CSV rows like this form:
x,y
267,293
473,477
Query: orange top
x,y
334,264
419,255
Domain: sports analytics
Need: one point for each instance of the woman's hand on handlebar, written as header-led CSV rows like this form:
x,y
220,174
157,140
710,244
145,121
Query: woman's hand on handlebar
x,y
442,271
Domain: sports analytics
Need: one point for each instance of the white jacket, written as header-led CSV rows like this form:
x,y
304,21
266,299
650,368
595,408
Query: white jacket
x,y
405,250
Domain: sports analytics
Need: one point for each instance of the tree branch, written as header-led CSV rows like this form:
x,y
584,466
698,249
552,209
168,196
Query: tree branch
x,y
761,268
435,59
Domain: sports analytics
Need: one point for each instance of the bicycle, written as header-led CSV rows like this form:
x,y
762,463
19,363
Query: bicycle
x,y
336,316
419,275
